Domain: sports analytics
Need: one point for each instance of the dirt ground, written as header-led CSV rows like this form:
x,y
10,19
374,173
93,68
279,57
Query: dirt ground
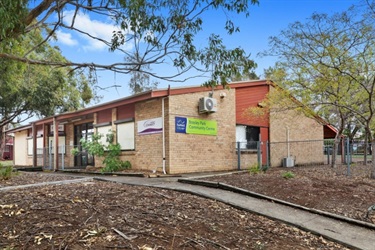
x,y
104,215
318,187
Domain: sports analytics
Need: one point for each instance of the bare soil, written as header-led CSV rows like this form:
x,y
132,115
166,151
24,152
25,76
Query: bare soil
x,y
104,215
318,187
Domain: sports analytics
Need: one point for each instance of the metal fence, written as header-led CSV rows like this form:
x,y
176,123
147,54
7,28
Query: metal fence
x,y
302,153
66,159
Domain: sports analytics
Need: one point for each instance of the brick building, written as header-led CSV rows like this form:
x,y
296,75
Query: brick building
x,y
180,130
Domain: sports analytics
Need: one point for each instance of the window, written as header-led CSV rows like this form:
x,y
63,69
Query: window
x,y
39,145
125,135
103,131
248,136
7,149
61,146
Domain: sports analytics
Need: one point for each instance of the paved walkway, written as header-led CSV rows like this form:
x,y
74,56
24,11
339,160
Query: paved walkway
x,y
353,236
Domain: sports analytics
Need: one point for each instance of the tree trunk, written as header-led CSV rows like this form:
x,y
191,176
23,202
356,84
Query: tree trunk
x,y
334,151
365,148
2,142
373,160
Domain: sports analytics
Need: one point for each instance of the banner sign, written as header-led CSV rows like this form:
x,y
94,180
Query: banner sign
x,y
195,126
150,126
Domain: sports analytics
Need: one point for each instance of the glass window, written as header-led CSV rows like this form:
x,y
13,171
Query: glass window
x,y
248,136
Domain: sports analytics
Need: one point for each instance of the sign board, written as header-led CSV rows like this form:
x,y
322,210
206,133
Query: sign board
x,y
61,128
195,126
150,126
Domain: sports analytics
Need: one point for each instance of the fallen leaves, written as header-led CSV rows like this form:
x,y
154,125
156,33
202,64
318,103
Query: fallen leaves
x,y
109,215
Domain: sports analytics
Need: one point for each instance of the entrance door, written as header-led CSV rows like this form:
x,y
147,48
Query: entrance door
x,y
85,131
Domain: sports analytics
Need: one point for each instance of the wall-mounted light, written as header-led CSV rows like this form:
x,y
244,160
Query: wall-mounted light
x,y
223,94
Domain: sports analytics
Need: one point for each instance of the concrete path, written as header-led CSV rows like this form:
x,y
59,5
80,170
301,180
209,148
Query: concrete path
x,y
353,236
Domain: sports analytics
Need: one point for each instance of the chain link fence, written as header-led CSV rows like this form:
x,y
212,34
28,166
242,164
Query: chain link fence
x,y
349,155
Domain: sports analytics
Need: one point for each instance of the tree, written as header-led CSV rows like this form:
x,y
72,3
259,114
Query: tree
x,y
159,31
139,80
329,64
28,90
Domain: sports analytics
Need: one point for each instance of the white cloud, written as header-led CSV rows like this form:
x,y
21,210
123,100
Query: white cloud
x,y
95,28
66,38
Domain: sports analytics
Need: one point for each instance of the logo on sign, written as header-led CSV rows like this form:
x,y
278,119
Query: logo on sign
x,y
149,123
180,124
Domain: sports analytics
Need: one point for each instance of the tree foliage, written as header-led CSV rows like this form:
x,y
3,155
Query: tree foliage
x,y
27,90
328,63
33,89
139,80
159,32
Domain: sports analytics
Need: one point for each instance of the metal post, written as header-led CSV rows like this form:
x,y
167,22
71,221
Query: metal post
x,y
268,153
50,156
238,155
259,155
62,156
347,156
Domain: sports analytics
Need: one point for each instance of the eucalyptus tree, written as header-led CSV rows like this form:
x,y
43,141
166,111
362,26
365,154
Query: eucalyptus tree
x,y
329,65
27,90
158,31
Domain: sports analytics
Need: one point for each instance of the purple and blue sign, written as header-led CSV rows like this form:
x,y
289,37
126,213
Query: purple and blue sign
x,y
150,126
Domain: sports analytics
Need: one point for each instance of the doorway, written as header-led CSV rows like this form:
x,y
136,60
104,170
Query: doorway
x,y
83,158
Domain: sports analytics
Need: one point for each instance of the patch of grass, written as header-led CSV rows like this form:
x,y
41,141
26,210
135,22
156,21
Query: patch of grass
x,y
5,172
288,175
256,169
6,163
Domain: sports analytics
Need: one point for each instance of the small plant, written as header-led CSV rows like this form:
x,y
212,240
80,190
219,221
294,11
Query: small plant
x,y
288,175
256,169
5,172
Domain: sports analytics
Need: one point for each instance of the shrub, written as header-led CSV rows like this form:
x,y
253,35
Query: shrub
x,y
5,172
288,175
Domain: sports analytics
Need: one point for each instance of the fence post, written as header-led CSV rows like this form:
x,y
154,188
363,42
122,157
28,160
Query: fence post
x,y
238,155
268,153
62,156
50,158
259,155
347,156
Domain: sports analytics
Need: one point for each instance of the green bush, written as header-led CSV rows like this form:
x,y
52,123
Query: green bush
x,y
111,152
288,175
5,172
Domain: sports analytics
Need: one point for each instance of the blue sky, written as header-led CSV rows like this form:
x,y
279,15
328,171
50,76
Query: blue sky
x,y
265,20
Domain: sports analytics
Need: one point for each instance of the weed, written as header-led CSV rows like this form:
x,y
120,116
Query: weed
x,y
288,175
5,172
256,169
